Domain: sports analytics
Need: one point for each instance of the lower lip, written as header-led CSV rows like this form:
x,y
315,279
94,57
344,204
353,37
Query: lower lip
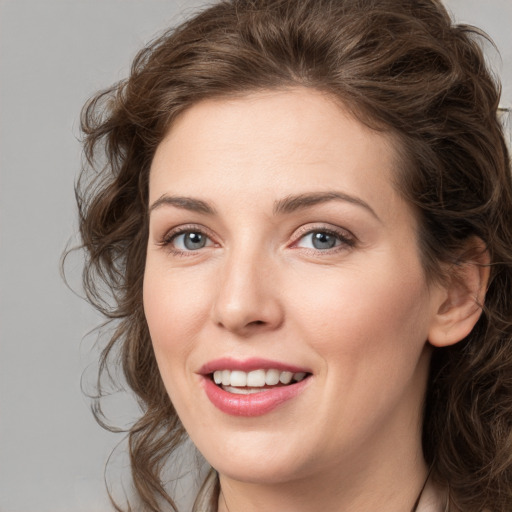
x,y
255,404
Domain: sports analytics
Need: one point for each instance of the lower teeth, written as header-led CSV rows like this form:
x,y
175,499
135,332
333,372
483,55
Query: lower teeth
x,y
245,391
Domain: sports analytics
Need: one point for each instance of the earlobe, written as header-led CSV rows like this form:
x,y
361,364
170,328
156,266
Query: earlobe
x,y
462,299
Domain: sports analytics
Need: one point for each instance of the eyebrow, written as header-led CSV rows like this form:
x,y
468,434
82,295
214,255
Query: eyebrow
x,y
298,202
186,203
286,205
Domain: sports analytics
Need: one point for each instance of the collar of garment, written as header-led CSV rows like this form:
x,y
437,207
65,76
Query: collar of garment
x,y
433,498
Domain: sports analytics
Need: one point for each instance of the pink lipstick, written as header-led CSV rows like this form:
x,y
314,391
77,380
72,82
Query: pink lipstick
x,y
252,387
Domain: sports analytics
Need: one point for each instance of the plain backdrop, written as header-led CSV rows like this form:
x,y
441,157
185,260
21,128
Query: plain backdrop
x,y
53,55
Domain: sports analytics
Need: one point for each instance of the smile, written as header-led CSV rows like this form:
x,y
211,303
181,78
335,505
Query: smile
x,y
237,381
253,387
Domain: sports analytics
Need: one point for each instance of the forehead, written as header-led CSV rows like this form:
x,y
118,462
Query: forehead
x,y
280,142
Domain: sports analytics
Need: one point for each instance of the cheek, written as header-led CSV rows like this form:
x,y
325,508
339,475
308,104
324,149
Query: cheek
x,y
174,300
172,311
370,334
173,308
370,317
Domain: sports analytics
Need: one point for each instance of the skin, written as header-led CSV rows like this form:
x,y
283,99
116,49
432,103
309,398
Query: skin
x,y
358,315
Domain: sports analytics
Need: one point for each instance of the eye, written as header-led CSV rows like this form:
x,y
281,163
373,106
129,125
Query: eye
x,y
324,240
319,240
190,240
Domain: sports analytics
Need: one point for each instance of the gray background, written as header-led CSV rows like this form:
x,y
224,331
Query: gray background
x,y
53,56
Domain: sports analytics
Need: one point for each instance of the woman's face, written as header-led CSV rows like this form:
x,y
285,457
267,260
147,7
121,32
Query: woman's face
x,y
279,247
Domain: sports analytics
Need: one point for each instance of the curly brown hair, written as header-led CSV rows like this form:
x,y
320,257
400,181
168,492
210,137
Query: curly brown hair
x,y
398,65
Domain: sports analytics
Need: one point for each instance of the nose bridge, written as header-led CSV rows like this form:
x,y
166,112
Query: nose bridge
x,y
247,297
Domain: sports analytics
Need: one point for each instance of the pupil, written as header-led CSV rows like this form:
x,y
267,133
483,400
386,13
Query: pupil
x,y
323,240
194,241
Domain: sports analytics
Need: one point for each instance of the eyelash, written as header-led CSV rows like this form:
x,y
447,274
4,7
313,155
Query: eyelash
x,y
170,237
345,238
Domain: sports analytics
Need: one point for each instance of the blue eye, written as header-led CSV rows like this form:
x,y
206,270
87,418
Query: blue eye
x,y
190,241
323,240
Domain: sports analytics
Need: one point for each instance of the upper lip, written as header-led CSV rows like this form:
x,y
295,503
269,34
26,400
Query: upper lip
x,y
247,365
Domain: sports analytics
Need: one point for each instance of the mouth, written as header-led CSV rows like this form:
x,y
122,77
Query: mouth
x,y
253,387
255,381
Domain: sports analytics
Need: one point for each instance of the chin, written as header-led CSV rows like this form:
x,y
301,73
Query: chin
x,y
257,462
262,473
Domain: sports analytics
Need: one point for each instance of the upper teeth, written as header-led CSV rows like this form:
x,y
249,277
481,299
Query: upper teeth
x,y
256,378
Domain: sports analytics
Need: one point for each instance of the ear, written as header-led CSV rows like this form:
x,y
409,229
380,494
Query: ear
x,y
462,296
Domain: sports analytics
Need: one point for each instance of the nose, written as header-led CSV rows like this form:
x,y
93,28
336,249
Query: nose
x,y
248,300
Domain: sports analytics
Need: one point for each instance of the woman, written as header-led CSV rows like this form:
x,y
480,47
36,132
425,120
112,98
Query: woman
x,y
305,223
